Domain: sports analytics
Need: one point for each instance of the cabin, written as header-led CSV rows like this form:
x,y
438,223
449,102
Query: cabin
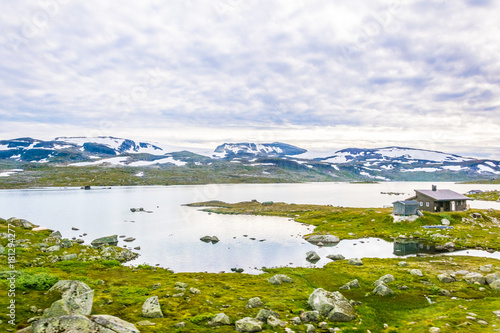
x,y
435,200
406,207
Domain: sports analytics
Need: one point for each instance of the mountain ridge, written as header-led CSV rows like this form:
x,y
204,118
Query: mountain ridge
x,y
264,159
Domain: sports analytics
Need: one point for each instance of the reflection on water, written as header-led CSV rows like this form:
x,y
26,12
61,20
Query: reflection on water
x,y
408,247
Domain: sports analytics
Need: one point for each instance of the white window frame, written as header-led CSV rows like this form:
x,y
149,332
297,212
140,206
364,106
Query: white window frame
x,y
427,204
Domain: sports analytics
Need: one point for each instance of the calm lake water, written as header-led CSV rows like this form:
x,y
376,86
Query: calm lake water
x,y
169,236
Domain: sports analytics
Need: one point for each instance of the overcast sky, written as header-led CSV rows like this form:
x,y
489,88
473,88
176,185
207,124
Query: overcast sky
x,y
321,74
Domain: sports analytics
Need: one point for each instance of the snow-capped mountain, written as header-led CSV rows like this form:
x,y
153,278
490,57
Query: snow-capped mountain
x,y
265,159
231,150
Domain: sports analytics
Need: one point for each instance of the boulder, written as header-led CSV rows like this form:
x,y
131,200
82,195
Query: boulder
x,y
275,322
312,256
129,239
416,272
108,240
335,257
266,313
151,308
79,323
53,248
76,299
383,290
74,323
492,277
352,284
386,278
355,262
206,239
446,278
194,291
327,240
113,324
475,278
310,328
68,256
309,316
181,285
279,278
219,320
495,285
332,304
56,234
445,222
254,302
248,325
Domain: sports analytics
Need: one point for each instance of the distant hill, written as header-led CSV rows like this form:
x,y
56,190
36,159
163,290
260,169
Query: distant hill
x,y
248,161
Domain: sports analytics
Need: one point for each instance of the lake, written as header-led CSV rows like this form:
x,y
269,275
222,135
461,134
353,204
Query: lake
x,y
169,236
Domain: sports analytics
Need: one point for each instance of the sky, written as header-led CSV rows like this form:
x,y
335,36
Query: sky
x,y
319,74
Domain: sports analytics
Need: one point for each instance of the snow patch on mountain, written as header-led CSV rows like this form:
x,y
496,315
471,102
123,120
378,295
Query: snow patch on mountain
x,y
228,150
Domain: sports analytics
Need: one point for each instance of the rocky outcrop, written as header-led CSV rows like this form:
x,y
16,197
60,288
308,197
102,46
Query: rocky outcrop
x,y
266,313
473,278
151,308
332,305
279,278
21,223
103,241
446,278
248,325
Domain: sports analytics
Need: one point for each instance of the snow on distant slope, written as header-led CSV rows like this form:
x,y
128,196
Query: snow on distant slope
x,y
120,146
404,155
123,161
255,149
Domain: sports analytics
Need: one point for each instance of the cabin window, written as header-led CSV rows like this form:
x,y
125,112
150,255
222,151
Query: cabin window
x,y
426,204
421,203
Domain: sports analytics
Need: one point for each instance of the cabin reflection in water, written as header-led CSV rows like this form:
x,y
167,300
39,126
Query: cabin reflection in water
x,y
406,247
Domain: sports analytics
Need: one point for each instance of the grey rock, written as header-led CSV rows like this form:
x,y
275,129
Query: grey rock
x,y
54,248
387,278
56,234
266,313
335,257
492,277
402,264
219,320
495,285
74,323
312,256
145,323
180,325
475,278
383,290
151,308
76,299
309,316
352,284
206,239
129,239
416,272
332,304
325,239
117,253
68,256
248,325
194,291
275,322
181,285
310,328
279,278
446,278
254,302
355,262
108,240
296,321
113,324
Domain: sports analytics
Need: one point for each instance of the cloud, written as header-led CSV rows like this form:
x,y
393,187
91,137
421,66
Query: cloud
x,y
150,67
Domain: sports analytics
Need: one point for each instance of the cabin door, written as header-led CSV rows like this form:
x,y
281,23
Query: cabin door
x,y
453,206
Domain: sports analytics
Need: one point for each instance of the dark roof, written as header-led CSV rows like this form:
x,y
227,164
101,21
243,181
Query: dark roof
x,y
443,195
407,202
